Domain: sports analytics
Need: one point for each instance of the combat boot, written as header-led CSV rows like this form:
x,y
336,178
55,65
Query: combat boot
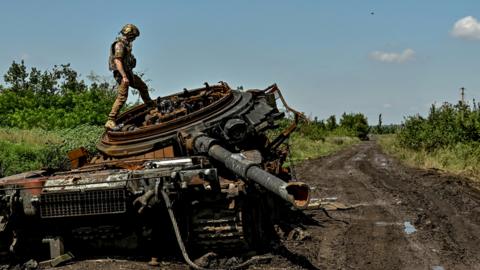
x,y
150,104
110,124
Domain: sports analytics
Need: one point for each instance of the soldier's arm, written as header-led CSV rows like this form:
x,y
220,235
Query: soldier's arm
x,y
119,65
118,56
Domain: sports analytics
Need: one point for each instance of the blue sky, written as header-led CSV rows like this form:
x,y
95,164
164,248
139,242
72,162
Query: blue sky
x,y
329,57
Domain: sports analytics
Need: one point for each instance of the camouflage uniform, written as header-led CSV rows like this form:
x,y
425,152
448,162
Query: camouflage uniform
x,y
122,49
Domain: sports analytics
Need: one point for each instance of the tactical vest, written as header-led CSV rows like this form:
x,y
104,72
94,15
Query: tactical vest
x,y
128,60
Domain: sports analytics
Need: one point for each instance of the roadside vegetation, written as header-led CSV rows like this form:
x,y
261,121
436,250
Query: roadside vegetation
x,y
25,150
315,138
447,139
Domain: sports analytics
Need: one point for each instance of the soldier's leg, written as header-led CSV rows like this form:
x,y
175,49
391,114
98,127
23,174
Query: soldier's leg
x,y
142,88
122,96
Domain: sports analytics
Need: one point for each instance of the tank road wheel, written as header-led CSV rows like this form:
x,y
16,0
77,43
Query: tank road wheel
x,y
217,226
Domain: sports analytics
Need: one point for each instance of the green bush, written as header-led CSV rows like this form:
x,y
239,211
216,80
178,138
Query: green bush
x,y
356,124
81,136
52,99
444,127
351,125
15,158
312,131
26,150
448,138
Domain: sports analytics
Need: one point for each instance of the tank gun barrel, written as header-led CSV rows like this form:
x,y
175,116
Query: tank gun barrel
x,y
297,193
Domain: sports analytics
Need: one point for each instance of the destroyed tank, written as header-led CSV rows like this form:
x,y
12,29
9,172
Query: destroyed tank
x,y
198,165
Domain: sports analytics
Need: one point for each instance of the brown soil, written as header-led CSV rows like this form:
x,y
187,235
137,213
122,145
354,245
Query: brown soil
x,y
443,211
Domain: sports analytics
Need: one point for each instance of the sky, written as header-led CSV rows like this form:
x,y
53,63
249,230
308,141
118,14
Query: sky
x,y
393,58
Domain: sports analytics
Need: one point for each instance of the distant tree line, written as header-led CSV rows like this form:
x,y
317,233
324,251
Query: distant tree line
x,y
351,124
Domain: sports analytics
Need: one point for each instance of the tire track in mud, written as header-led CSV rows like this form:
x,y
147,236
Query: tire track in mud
x,y
391,199
442,214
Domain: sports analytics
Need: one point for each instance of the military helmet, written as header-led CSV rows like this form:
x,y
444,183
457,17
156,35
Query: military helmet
x,y
130,30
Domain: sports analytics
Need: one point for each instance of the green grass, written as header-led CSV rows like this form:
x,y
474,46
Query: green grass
x,y
313,140
303,147
17,157
26,150
461,158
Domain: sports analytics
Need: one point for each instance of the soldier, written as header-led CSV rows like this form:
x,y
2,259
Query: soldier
x,y
122,62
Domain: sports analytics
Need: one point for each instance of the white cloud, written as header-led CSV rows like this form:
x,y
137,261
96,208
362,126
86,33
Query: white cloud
x,y
387,105
391,57
466,28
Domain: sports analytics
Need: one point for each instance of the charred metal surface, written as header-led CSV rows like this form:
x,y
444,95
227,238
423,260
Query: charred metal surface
x,y
296,193
199,161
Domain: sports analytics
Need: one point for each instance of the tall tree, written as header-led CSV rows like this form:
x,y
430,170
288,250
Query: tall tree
x,y
17,76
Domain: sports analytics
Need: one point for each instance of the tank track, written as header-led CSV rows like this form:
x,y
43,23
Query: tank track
x,y
218,229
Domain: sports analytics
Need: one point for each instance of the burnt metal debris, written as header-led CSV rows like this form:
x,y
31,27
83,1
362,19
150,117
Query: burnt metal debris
x,y
198,162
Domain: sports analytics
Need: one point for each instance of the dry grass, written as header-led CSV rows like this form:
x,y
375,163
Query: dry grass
x,y
461,159
29,137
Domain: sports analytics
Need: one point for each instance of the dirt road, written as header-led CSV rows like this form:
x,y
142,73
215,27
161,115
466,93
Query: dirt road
x,y
402,218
